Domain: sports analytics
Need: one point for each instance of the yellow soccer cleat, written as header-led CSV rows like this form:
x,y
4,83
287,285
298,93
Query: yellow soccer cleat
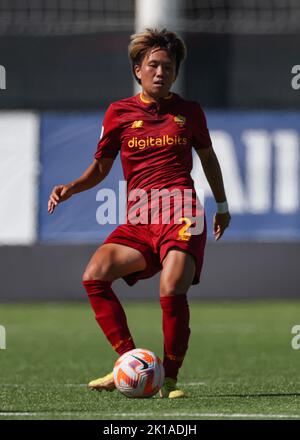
x,y
169,390
105,383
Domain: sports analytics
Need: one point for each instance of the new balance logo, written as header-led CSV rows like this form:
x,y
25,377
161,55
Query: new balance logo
x,y
137,124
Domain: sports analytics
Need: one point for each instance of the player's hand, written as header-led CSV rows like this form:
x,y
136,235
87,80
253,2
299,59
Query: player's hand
x,y
59,194
221,222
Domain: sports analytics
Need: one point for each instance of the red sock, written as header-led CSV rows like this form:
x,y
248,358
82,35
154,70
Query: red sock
x,y
176,316
110,315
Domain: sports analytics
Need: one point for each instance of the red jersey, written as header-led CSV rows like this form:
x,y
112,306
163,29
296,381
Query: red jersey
x,y
155,140
155,143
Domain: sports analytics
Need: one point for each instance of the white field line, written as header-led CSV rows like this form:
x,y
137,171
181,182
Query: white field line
x,y
136,415
15,385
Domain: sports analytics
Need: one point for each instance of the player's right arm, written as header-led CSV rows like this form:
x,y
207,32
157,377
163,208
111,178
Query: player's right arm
x,y
94,174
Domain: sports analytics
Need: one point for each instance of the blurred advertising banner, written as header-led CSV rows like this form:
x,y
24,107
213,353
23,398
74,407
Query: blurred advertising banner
x,y
68,144
19,168
259,157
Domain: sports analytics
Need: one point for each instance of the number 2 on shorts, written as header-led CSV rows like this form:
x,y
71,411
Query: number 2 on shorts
x,y
183,234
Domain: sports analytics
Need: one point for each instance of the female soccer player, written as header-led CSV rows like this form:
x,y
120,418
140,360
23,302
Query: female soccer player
x,y
154,132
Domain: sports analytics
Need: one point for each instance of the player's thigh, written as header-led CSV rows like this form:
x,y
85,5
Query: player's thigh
x,y
112,261
177,274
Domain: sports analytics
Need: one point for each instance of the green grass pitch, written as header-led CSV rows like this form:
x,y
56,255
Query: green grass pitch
x,y
240,363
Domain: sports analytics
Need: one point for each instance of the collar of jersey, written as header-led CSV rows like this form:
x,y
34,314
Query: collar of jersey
x,y
148,102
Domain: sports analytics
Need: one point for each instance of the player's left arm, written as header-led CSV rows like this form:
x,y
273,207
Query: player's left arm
x,y
213,173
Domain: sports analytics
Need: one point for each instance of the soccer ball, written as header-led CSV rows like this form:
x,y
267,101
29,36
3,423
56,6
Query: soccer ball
x,y
139,373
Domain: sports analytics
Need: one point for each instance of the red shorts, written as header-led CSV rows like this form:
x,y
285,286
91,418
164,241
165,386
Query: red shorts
x,y
154,241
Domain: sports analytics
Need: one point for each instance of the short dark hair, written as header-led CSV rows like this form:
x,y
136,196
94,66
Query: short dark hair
x,y
142,42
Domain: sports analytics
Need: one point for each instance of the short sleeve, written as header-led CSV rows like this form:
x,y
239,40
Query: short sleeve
x,y
109,142
201,136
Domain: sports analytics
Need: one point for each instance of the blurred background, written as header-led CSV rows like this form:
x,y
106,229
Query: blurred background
x,y
64,61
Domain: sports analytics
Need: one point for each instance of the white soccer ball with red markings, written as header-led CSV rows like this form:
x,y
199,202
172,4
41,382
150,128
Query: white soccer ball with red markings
x,y
139,373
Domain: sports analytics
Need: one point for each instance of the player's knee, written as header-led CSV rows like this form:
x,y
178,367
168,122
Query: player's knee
x,y
88,275
101,271
172,287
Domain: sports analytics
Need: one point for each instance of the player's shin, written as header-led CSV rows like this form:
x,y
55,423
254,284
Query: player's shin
x,y
176,332
110,315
